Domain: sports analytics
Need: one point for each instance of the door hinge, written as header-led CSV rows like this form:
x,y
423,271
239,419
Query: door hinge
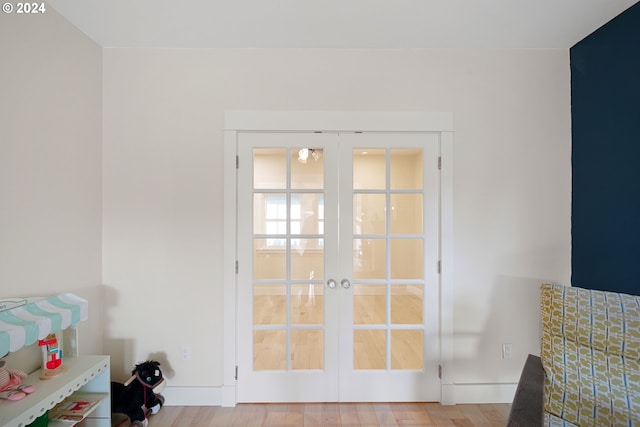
x,y
439,371
237,162
236,372
439,267
236,267
439,163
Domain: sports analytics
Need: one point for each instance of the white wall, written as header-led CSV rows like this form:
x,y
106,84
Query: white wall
x,y
50,164
163,189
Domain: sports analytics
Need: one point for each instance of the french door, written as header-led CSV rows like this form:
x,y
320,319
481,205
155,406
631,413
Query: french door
x,y
338,267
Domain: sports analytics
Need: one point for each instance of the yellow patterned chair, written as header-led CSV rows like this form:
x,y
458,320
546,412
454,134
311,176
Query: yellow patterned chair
x,y
591,357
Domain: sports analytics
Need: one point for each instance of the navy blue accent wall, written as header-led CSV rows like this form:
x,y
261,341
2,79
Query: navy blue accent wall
x,y
605,113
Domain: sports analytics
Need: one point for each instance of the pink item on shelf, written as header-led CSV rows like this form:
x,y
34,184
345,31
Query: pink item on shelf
x,y
11,387
12,395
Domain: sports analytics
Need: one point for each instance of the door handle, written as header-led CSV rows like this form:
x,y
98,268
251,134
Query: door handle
x,y
345,283
331,283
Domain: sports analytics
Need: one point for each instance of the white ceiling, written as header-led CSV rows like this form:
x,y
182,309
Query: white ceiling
x,y
339,23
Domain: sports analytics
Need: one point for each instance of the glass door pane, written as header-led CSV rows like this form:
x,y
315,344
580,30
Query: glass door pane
x,y
288,230
391,344
341,234
287,224
386,254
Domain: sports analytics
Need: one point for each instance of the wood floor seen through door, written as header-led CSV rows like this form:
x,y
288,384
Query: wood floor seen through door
x,y
406,308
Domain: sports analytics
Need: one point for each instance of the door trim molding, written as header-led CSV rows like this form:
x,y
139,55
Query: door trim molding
x,y
230,216
370,121
310,121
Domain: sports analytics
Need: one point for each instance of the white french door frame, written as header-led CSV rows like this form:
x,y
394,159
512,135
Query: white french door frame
x,y
335,121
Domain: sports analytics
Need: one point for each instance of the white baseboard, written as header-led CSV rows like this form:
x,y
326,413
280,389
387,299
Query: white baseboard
x,y
481,393
451,394
192,396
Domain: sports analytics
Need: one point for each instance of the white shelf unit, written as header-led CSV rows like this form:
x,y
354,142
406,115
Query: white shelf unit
x,y
89,416
84,374
22,323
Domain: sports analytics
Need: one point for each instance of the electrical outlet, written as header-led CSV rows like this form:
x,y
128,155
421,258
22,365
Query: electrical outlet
x,y
506,351
186,353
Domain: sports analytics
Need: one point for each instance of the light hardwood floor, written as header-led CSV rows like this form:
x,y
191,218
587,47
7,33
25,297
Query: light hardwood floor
x,y
333,414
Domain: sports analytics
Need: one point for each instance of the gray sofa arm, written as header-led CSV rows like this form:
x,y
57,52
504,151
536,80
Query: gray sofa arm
x,y
527,407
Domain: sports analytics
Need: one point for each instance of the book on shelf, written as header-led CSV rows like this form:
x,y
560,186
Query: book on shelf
x,y
65,419
74,408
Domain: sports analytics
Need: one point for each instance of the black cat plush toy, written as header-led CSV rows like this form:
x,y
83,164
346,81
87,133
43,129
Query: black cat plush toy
x,y
140,395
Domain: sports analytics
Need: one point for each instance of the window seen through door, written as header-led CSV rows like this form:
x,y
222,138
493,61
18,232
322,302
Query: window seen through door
x,y
305,217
